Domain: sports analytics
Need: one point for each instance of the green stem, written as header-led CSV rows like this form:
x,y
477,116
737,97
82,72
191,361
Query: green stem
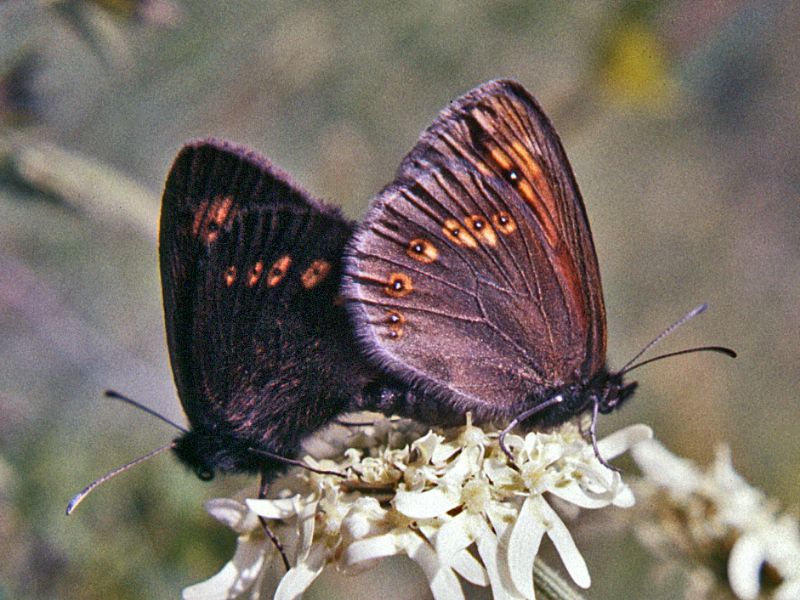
x,y
549,585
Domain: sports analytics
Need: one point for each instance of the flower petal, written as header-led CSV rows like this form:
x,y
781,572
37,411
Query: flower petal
x,y
455,535
788,590
232,513
379,546
298,579
425,447
365,517
623,440
523,545
469,568
273,508
576,494
502,588
426,505
664,469
234,578
306,521
744,567
565,545
443,582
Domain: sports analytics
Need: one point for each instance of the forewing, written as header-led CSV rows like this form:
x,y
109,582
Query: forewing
x,y
474,272
250,270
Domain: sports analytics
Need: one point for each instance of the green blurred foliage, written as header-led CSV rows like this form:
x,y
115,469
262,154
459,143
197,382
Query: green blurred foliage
x,y
681,123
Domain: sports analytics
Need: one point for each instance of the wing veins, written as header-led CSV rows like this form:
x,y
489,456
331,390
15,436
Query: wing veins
x,y
413,269
486,251
431,311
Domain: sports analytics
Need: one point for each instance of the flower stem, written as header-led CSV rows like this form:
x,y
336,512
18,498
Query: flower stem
x,y
549,585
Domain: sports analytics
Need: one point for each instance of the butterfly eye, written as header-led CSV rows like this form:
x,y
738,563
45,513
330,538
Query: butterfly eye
x,y
422,250
204,473
512,176
399,285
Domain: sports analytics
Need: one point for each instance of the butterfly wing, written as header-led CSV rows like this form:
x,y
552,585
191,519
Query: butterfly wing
x,y
250,266
474,274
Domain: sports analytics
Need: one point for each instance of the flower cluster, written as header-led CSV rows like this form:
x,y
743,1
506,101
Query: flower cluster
x,y
714,518
451,501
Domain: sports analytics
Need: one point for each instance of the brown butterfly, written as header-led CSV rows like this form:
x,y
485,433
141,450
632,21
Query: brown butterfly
x,y
471,285
474,278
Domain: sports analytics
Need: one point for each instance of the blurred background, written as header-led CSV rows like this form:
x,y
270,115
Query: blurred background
x,y
681,122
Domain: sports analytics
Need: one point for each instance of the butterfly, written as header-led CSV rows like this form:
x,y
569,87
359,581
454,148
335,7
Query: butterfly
x,y
472,285
474,278
259,342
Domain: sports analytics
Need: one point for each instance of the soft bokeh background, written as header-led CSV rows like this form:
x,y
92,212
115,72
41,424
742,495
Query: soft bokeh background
x,y
681,122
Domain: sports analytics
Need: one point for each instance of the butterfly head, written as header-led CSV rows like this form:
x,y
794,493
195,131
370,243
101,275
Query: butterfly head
x,y
206,452
607,391
197,451
611,392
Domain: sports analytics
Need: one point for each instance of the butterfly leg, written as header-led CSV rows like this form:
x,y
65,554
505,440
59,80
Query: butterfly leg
x,y
262,493
294,463
593,436
521,417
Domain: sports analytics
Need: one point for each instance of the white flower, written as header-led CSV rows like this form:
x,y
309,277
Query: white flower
x,y
713,513
430,498
245,568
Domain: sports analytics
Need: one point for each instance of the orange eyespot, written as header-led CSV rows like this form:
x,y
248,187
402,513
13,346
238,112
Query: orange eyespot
x,y
481,229
315,273
255,274
230,275
395,322
211,217
399,285
278,270
458,234
504,223
422,250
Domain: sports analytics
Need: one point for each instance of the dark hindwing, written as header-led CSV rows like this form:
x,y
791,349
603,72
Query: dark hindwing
x,y
250,270
474,273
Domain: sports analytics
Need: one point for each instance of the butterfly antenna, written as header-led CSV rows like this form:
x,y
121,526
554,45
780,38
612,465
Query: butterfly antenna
x,y
117,396
719,349
632,364
78,498
687,317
